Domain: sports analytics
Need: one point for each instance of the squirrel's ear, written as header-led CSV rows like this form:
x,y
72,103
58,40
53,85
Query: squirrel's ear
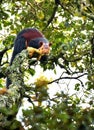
x,y
50,44
41,43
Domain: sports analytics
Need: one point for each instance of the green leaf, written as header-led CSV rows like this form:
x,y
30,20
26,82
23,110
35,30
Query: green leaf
x,y
31,71
77,86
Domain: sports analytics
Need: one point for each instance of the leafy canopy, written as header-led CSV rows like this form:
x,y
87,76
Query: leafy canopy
x,y
69,25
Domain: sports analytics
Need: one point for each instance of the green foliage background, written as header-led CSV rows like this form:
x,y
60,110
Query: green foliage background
x,y
69,26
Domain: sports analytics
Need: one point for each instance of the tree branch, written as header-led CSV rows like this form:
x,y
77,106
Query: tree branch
x,y
67,77
67,9
53,14
88,15
2,53
11,100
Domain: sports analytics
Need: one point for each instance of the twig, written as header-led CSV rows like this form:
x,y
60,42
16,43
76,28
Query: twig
x,y
67,77
67,9
53,14
2,53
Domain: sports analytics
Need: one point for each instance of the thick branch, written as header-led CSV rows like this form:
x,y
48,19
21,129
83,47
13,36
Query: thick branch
x,y
11,100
